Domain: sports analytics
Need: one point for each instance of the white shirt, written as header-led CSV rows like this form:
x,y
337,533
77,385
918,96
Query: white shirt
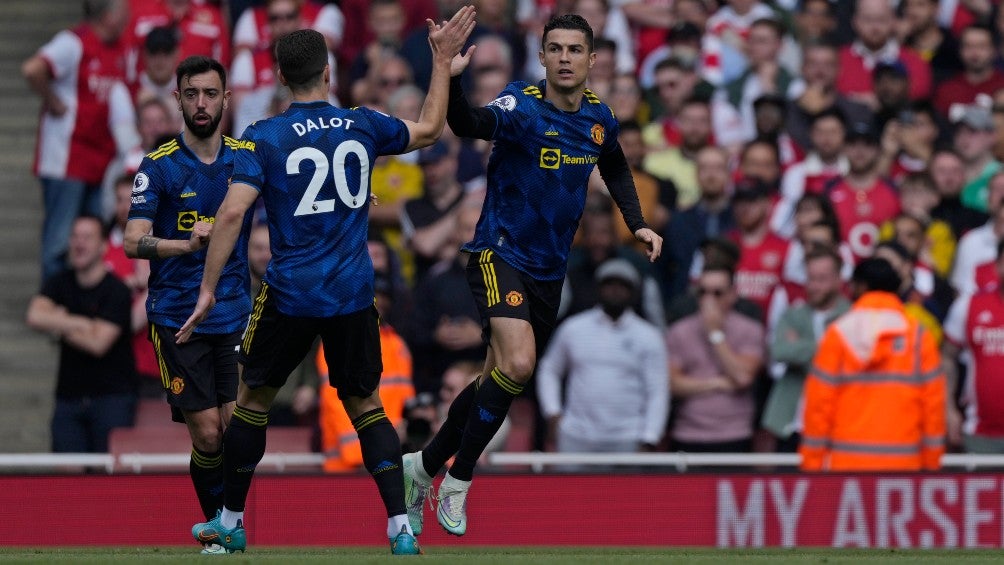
x,y
618,378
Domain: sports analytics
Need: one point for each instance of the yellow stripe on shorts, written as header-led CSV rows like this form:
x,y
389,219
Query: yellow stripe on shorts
x,y
165,378
488,273
259,305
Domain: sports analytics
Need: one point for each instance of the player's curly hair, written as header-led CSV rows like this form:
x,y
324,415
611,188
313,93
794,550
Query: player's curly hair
x,y
302,56
569,21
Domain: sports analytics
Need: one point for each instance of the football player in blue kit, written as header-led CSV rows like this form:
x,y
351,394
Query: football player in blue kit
x,y
548,138
311,165
177,189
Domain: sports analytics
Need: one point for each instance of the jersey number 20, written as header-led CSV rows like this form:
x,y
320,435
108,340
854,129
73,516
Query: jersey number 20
x,y
309,203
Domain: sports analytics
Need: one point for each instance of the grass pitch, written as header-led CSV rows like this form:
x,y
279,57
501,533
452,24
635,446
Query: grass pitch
x,y
505,556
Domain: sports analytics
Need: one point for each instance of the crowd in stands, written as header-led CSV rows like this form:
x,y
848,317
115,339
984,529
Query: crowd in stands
x,y
774,144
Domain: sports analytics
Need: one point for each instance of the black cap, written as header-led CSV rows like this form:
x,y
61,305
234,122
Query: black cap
x,y
433,153
894,68
161,39
683,31
862,131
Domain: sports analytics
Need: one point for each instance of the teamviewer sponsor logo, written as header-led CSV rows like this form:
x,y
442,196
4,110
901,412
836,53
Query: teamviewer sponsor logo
x,y
550,158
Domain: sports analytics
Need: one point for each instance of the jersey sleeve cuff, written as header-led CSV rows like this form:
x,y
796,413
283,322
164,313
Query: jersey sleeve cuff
x,y
244,179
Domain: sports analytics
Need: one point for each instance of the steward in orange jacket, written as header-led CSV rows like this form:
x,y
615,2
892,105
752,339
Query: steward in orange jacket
x,y
339,441
875,397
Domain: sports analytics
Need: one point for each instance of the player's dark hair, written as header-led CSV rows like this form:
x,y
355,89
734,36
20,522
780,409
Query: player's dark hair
x,y
198,64
876,274
302,56
572,22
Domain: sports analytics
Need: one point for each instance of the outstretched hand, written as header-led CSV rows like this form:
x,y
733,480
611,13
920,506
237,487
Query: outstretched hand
x,y
202,307
448,38
652,241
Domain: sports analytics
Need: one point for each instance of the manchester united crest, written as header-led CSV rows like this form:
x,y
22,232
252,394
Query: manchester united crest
x,y
598,134
513,298
177,385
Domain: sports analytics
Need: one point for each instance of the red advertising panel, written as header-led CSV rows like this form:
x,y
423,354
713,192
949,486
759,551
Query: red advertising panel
x,y
754,510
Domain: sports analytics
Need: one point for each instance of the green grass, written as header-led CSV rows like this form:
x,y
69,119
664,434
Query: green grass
x,y
505,556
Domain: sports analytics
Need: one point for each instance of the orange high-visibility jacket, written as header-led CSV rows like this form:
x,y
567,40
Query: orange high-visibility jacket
x,y
875,397
339,441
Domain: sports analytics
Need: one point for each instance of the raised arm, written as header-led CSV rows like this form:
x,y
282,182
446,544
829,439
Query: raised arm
x,y
446,41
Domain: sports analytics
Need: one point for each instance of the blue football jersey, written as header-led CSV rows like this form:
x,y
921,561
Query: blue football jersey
x,y
312,166
537,176
174,189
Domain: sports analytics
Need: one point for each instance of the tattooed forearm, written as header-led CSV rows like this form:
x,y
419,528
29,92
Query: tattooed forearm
x,y
147,247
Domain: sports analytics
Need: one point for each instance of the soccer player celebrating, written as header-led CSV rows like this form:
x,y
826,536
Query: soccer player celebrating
x,y
311,165
548,138
175,193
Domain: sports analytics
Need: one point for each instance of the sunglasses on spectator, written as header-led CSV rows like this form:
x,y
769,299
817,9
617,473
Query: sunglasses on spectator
x,y
716,292
286,17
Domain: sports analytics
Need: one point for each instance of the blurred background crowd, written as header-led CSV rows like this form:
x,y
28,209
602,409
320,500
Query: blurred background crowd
x,y
773,144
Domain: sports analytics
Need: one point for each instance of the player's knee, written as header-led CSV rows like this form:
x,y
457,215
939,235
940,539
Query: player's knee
x,y
207,439
519,366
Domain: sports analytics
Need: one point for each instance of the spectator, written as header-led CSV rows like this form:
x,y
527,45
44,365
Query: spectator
x,y
391,73
682,42
385,22
428,222
608,21
862,199
88,311
815,22
446,325
948,172
725,39
135,274
760,159
769,119
456,378
154,122
200,26
596,245
654,24
908,140
601,76
253,27
928,239
761,252
614,368
763,74
978,79
935,44
822,165
874,23
676,82
974,259
793,345
87,119
259,254
157,81
676,163
253,74
714,357
922,308
657,198
358,35
339,440
626,99
974,141
875,396
975,325
710,217
891,88
815,91
816,227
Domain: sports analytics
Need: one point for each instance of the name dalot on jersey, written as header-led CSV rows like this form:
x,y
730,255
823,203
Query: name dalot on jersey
x,y
308,125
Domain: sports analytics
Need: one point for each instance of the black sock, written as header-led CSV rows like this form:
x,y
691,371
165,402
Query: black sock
x,y
382,458
447,441
243,448
206,470
491,404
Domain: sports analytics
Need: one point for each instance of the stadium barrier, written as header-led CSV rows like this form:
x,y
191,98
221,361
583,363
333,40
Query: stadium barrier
x,y
950,510
651,504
